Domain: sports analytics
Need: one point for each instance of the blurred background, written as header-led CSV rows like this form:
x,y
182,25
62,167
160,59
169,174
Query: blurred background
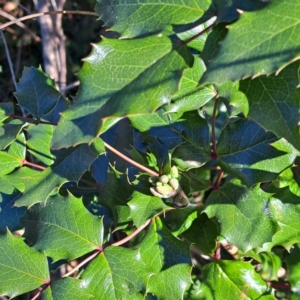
x,y
57,43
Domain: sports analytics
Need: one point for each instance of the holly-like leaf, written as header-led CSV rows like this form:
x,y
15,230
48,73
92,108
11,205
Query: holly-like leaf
x,y
114,194
66,288
274,102
36,92
112,79
180,220
6,110
22,269
134,18
256,43
245,151
244,214
143,207
158,262
286,208
38,142
46,227
203,234
13,157
9,215
191,96
9,132
70,164
238,278
190,133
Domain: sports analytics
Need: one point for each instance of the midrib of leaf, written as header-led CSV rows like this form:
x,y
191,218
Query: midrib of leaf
x,y
249,49
36,96
252,146
74,234
20,271
225,275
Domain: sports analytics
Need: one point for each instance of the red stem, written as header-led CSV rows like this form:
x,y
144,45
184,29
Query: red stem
x,y
279,285
129,237
197,35
213,130
132,162
84,262
218,181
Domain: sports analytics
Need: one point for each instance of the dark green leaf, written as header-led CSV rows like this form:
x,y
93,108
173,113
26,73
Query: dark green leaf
x,y
203,234
286,208
143,207
257,43
244,214
106,96
69,165
158,262
6,110
114,194
9,132
9,215
274,102
21,269
36,92
245,151
228,280
46,227
136,18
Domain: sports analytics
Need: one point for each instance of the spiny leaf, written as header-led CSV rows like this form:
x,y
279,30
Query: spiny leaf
x,y
239,279
69,165
130,66
22,269
203,234
191,96
286,209
133,18
46,226
245,151
259,43
36,92
9,132
235,206
274,102
158,262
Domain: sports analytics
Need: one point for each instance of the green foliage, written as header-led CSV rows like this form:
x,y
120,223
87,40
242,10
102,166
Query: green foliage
x,y
204,160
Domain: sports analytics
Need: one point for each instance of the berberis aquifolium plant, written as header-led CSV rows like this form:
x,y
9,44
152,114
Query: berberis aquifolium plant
x,y
173,173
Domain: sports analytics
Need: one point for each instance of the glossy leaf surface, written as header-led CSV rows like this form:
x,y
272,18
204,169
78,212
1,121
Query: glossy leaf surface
x,y
21,269
46,227
235,207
